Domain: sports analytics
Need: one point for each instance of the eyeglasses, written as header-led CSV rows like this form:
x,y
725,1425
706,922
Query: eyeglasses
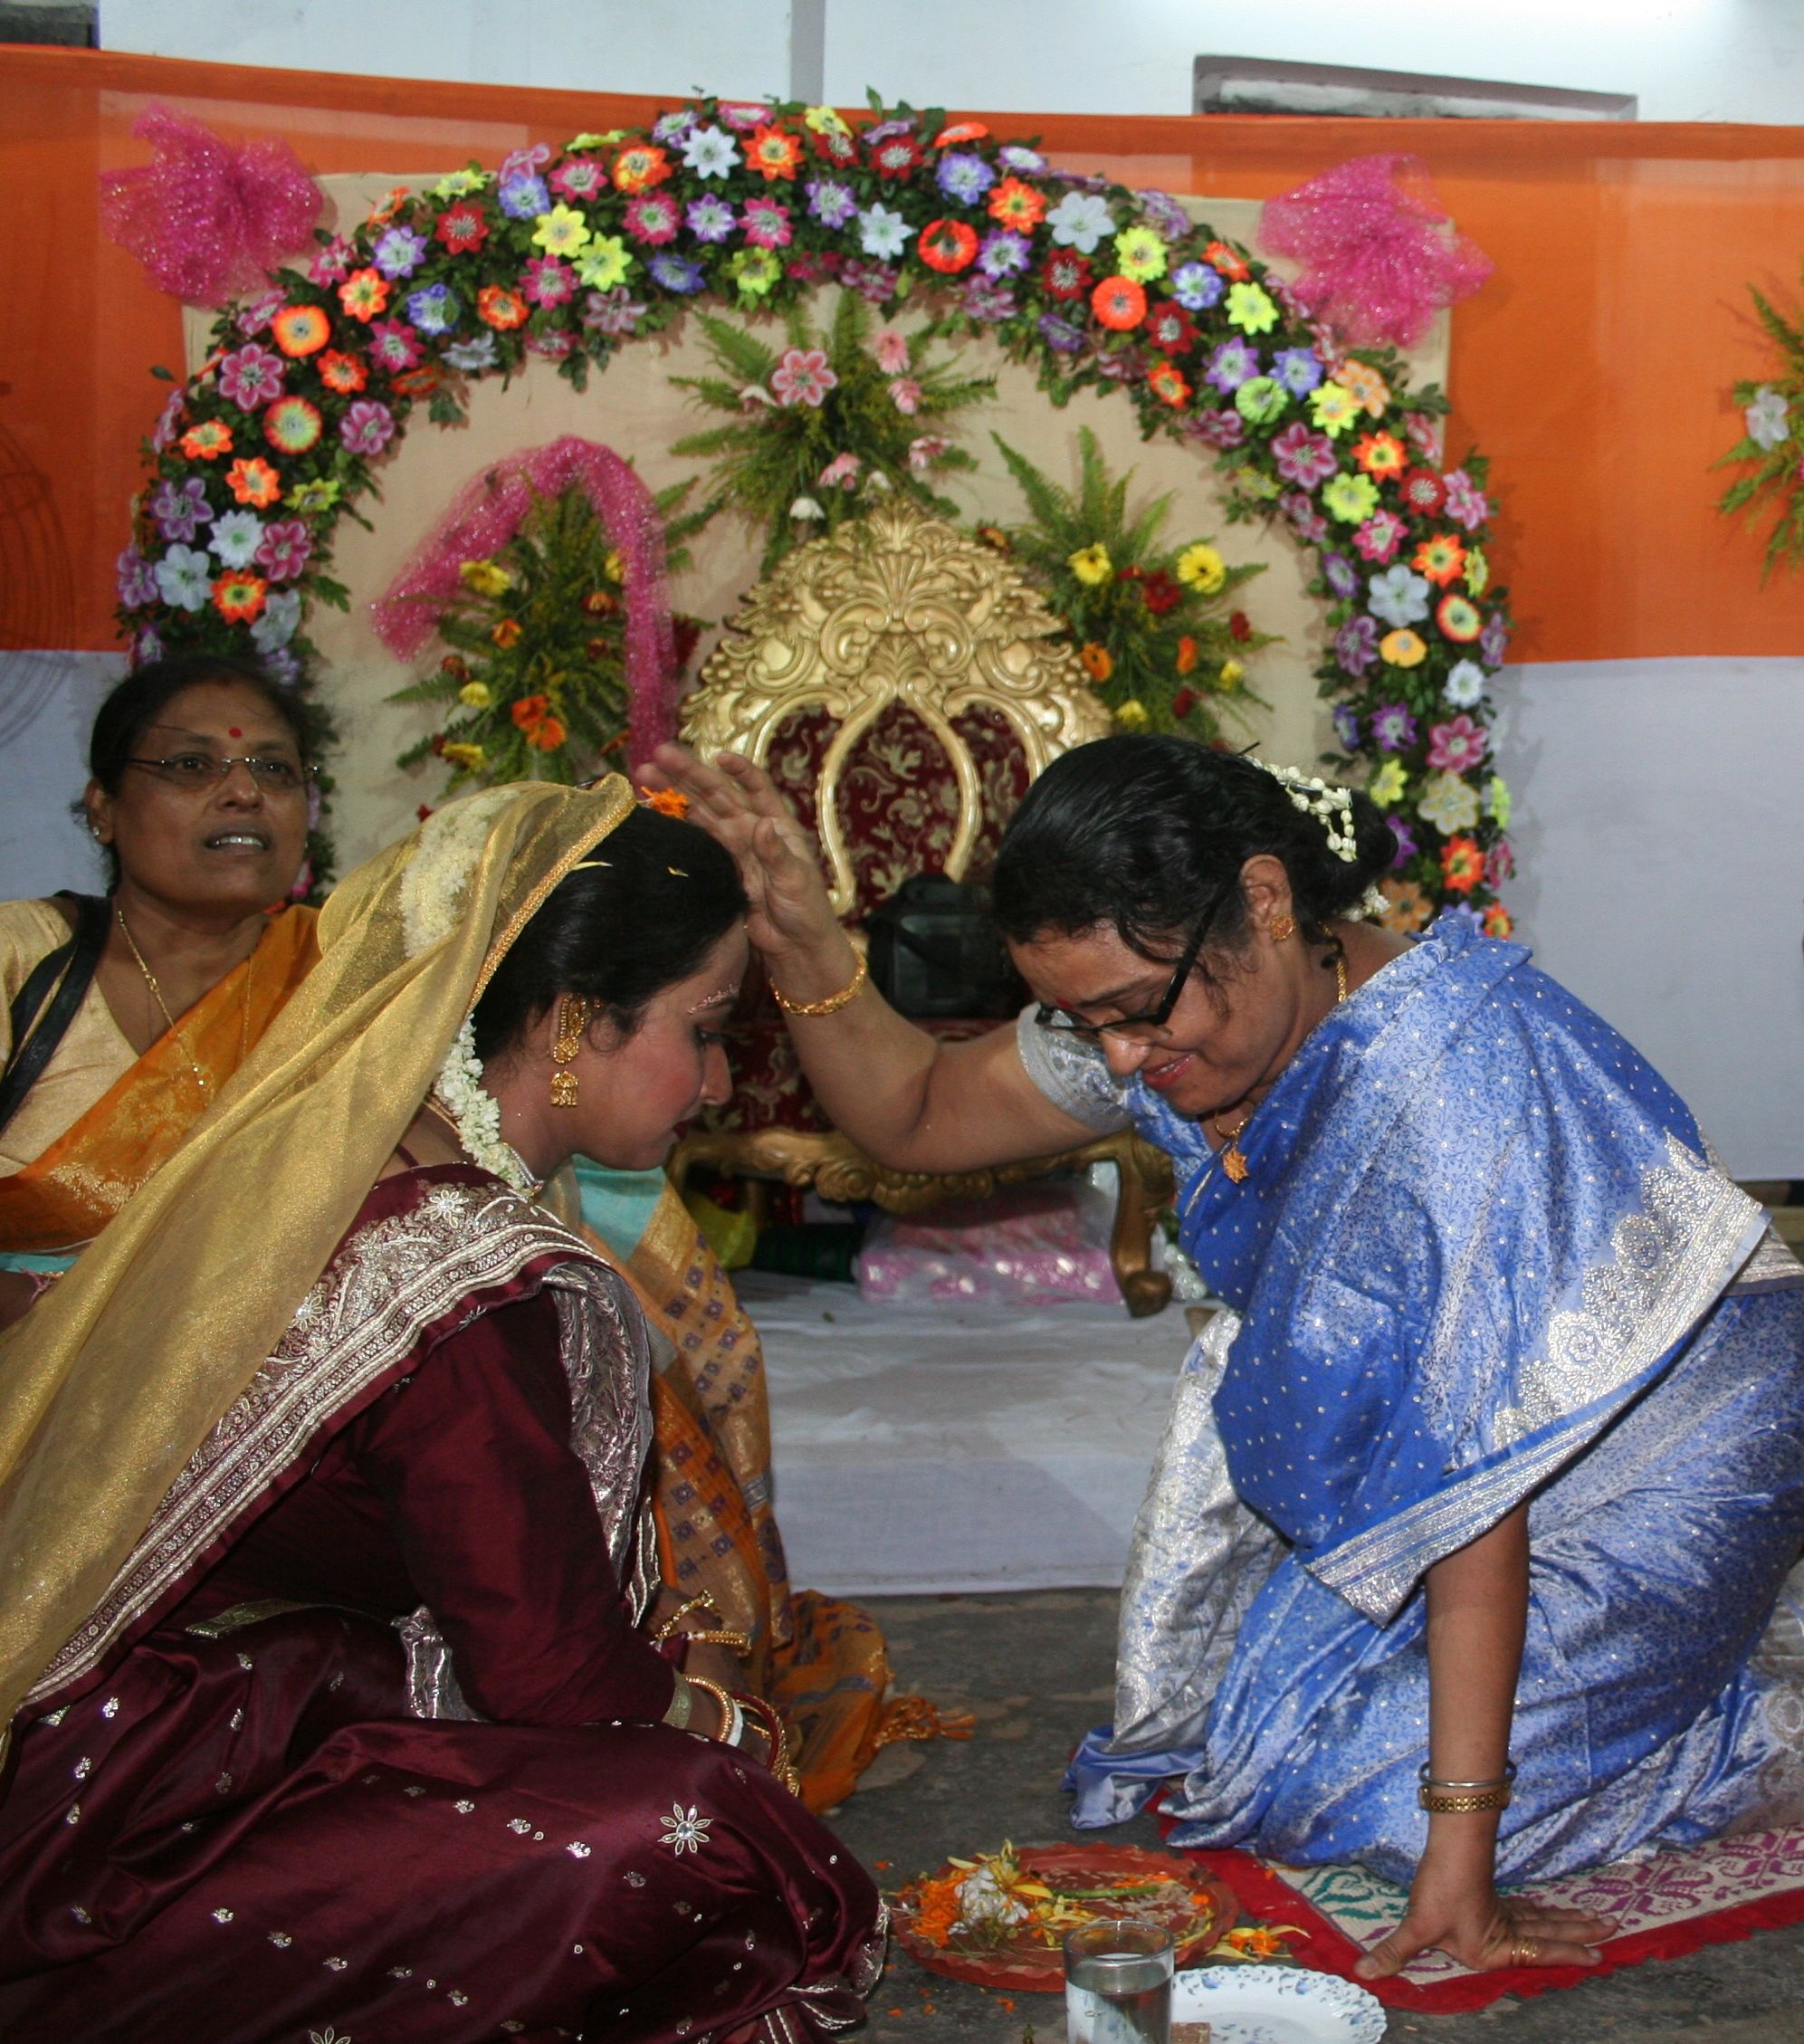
x,y
204,770
1135,1028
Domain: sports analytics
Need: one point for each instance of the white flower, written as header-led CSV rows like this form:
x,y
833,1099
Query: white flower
x,y
1465,685
477,1115
983,1901
236,537
710,152
1398,596
577,1849
1330,805
438,873
806,507
472,355
184,578
882,234
279,621
1079,221
1448,802
684,1830
1766,417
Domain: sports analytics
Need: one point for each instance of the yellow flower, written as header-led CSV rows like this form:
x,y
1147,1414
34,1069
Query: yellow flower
x,y
823,120
1478,571
1090,565
1388,784
1402,648
1250,308
475,695
1131,716
592,141
310,498
605,263
1231,674
459,183
1334,409
485,578
561,232
1201,568
466,758
1139,254
614,568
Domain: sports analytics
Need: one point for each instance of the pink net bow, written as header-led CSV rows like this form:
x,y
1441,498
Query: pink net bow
x,y
208,221
1378,262
487,514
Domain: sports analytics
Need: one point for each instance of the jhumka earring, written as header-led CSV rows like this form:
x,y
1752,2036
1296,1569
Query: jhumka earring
x,y
1283,927
573,1014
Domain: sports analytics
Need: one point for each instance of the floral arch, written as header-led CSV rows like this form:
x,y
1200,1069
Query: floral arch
x,y
568,255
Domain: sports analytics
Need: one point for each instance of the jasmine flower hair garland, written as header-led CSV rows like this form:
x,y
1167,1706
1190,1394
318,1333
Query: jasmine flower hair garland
x,y
1332,806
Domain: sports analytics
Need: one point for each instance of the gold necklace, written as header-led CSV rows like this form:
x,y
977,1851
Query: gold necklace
x,y
157,992
1232,1158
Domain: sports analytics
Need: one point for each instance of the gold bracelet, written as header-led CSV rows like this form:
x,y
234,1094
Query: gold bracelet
x,y
732,1719
668,1631
734,1642
846,995
1438,1803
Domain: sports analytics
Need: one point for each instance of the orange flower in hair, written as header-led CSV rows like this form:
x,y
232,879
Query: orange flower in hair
x,y
666,801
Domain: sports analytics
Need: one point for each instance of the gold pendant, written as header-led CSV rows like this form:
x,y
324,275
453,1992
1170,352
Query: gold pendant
x,y
1234,1163
563,1089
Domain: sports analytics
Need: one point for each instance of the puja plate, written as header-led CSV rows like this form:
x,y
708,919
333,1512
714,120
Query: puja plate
x,y
1276,2005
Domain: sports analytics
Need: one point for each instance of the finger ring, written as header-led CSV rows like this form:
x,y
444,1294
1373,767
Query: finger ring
x,y
1524,1951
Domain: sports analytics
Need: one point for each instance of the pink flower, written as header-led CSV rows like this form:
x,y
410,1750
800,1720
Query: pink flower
x,y
1303,457
332,265
163,434
547,280
283,550
653,218
1467,503
923,452
1306,521
257,314
394,345
891,349
251,377
1499,863
1458,745
766,224
1381,536
803,376
905,395
367,427
554,346
579,177
1424,432
840,473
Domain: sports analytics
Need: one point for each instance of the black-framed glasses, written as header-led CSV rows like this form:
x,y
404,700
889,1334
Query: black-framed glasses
x,y
197,770
1136,1028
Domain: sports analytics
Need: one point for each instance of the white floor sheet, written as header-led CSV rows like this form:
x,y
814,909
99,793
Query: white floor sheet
x,y
937,1448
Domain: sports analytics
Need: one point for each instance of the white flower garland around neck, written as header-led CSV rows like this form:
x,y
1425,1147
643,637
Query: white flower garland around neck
x,y
1332,806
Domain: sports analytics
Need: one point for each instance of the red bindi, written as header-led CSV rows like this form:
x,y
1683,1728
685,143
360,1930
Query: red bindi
x,y
234,733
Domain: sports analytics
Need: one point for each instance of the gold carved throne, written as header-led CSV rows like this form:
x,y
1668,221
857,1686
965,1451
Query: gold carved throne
x,y
902,683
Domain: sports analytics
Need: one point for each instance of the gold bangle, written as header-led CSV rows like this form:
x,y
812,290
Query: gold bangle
x,y
734,1642
668,1631
1438,1803
731,1719
831,1005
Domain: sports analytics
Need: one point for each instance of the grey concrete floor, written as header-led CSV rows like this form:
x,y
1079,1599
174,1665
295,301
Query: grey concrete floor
x,y
1036,1670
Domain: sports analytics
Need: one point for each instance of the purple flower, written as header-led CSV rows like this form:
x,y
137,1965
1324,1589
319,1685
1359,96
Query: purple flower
x,y
987,301
1232,363
180,510
1003,255
282,665
434,309
1303,457
147,646
672,128
401,250
767,224
259,310
675,273
1023,161
284,551
168,421
1306,521
710,219
367,427
1393,728
612,312
520,163
1127,367
1356,644
1493,641
1061,336
1196,286
1467,503
882,131
1405,842
137,579
524,196
831,203
1339,574
1299,370
963,176
874,280
1221,429
1347,728
1164,216
251,376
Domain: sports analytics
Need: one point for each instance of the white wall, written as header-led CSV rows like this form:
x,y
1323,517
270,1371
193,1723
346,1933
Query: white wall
x,y
1686,60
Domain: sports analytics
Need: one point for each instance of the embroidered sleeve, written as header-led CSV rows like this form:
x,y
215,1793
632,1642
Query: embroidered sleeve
x,y
1074,1076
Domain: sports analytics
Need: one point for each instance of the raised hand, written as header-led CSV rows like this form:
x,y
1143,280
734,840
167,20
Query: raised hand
x,y
1466,1917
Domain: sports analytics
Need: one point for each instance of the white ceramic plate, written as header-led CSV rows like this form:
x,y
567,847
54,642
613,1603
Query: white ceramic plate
x,y
1276,2005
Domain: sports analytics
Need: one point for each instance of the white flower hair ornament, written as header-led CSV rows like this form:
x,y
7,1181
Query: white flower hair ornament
x,y
1332,806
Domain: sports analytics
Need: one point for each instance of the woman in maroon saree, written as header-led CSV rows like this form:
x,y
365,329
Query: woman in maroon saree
x,y
365,1737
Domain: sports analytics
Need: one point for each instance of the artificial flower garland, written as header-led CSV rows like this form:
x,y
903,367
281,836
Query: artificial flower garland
x,y
567,254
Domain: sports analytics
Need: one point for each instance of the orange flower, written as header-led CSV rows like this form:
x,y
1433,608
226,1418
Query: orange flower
x,y
1410,909
1498,921
300,330
666,801
1365,385
208,441
1440,557
253,482
342,373
946,245
292,425
599,603
773,153
1381,455
1166,381
1187,654
639,166
547,735
1227,261
530,710
238,596
395,198
505,634
500,307
417,383
1098,663
1118,303
1462,865
1252,1941
936,1910
364,293
1017,205
960,132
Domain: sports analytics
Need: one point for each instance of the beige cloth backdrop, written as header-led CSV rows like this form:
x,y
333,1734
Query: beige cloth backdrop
x,y
632,408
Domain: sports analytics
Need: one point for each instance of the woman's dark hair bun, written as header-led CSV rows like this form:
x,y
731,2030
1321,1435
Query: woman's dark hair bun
x,y
1141,834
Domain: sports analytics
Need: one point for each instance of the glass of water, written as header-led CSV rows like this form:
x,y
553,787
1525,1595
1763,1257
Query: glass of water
x,y
1117,1983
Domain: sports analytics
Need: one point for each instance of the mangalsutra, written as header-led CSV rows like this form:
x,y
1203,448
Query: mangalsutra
x,y
157,994
1232,1158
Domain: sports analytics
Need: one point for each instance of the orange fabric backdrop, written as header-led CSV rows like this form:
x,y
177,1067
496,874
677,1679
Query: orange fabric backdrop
x,y
1594,367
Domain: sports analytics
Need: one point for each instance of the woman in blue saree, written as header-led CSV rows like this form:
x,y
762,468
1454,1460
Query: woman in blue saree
x,y
1466,1554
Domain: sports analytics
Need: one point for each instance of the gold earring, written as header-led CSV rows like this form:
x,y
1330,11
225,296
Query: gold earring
x,y
1282,928
573,1014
